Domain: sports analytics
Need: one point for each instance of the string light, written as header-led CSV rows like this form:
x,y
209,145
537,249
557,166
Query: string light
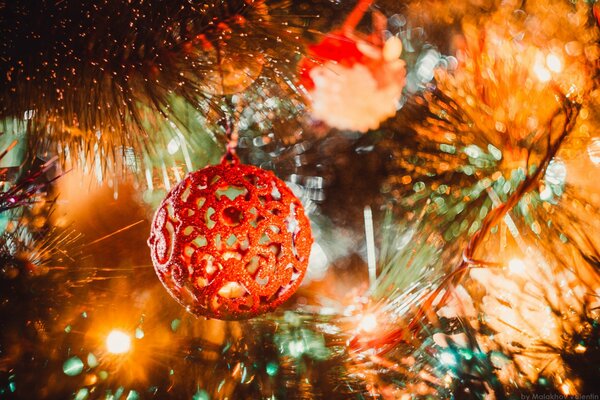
x,y
553,63
368,323
580,349
516,266
542,73
566,389
118,342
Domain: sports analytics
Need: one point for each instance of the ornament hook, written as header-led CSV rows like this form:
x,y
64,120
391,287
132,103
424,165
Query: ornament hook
x,y
231,133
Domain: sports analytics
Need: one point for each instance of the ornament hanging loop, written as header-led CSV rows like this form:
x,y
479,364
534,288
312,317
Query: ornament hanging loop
x,y
231,133
230,149
230,156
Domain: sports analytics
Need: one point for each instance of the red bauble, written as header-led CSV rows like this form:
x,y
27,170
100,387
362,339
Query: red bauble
x,y
230,241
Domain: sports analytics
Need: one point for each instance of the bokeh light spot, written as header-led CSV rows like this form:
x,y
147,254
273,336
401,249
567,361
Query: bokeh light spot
x,y
368,323
516,266
73,366
118,342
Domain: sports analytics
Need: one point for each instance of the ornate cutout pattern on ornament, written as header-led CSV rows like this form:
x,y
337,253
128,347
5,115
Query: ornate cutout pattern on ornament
x,y
231,241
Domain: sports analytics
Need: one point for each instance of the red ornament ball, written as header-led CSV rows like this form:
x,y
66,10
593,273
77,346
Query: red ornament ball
x,y
230,241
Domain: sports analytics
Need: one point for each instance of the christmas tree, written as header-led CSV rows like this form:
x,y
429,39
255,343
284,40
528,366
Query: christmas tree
x,y
299,200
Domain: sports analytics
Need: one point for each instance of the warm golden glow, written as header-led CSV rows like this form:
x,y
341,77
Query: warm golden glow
x,y
553,63
580,349
516,266
118,342
542,73
566,389
368,323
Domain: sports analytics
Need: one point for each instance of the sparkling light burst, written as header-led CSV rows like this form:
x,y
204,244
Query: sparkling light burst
x,y
368,323
118,342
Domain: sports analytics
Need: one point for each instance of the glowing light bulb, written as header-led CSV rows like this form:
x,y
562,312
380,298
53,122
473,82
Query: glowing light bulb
x,y
553,63
368,323
516,266
566,388
118,342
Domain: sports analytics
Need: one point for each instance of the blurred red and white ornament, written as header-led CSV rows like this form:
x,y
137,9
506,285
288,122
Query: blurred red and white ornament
x,y
354,81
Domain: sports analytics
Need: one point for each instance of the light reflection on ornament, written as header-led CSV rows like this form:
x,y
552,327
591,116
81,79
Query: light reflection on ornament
x,y
318,264
118,342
